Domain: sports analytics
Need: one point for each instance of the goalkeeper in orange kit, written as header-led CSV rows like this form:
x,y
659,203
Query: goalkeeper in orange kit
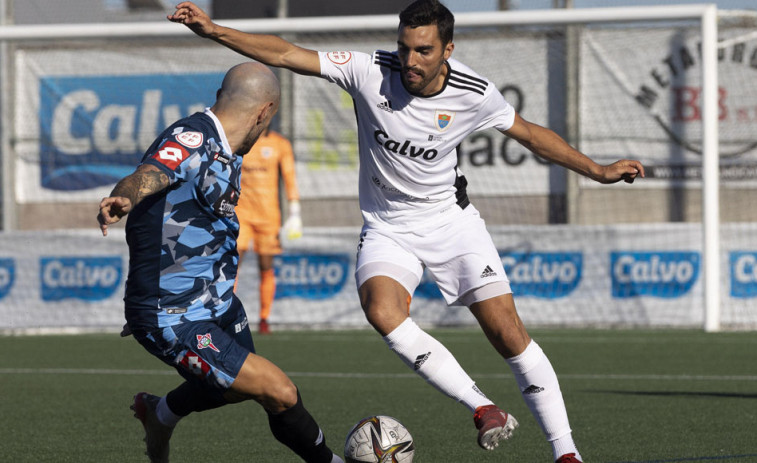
x,y
259,211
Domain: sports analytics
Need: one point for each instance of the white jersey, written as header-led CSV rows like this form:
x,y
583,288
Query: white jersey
x,y
408,143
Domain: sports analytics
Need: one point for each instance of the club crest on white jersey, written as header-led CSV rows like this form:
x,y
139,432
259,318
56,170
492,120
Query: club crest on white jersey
x,y
443,119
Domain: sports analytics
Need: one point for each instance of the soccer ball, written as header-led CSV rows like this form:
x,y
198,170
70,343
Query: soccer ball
x,y
379,439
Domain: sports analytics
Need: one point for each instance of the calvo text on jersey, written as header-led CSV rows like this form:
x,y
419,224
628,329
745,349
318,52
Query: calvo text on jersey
x,y
404,148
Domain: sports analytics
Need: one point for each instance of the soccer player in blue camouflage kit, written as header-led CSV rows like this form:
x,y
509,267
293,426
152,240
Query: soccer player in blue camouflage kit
x,y
414,106
179,302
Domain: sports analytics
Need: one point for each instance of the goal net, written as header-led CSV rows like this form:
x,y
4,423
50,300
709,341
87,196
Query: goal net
x,y
577,253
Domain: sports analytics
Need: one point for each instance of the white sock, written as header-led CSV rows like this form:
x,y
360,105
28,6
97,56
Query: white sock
x,y
165,415
541,391
432,361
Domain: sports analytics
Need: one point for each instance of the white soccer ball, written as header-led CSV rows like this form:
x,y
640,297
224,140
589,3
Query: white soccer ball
x,y
379,439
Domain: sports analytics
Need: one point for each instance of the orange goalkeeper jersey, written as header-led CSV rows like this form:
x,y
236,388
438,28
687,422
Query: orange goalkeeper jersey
x,y
270,157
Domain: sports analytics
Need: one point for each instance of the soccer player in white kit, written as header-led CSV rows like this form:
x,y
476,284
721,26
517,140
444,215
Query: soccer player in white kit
x,y
414,106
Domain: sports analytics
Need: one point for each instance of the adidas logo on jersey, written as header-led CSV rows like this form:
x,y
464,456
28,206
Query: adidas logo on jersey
x,y
488,272
386,106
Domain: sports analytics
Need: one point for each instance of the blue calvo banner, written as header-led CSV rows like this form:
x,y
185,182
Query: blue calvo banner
x,y
94,129
548,275
85,278
7,276
659,274
311,276
743,265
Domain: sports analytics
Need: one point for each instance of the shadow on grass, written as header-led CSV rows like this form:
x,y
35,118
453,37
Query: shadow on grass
x,y
751,456
730,395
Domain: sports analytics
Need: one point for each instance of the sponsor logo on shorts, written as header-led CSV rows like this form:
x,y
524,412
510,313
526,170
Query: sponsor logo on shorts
x,y
655,273
548,275
743,266
240,326
87,278
204,341
194,364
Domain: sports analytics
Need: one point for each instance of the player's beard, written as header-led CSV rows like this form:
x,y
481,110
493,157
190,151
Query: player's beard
x,y
414,87
425,78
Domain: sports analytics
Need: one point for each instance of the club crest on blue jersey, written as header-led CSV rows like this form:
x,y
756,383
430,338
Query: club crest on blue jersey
x,y
190,139
443,119
204,341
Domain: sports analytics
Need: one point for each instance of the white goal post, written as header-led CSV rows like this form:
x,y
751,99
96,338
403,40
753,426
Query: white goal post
x,y
706,15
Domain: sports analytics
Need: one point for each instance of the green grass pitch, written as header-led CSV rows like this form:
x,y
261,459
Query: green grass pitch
x,y
633,396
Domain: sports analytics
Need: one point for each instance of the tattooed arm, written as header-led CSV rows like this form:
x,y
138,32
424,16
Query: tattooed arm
x,y
129,192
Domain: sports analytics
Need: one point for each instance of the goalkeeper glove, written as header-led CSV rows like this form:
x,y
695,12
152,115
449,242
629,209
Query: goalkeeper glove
x,y
293,224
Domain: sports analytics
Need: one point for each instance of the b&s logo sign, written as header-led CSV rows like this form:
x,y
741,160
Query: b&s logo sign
x,y
743,266
94,130
87,278
658,274
7,276
547,275
671,94
310,276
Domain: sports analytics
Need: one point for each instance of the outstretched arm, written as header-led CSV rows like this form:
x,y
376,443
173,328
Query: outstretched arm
x,y
130,191
550,146
267,49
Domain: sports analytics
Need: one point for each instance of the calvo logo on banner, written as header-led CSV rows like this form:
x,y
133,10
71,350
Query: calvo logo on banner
x,y
310,276
543,274
86,278
94,129
743,266
664,274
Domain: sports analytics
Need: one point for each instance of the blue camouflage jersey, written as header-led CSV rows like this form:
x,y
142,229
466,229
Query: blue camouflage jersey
x,y
182,241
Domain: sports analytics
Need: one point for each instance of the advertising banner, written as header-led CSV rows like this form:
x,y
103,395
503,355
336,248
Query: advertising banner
x,y
646,102
83,118
560,276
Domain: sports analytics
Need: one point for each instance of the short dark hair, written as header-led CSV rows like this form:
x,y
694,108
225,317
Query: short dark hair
x,y
429,12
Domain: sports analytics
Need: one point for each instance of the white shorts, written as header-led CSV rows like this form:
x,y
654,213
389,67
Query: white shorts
x,y
459,253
